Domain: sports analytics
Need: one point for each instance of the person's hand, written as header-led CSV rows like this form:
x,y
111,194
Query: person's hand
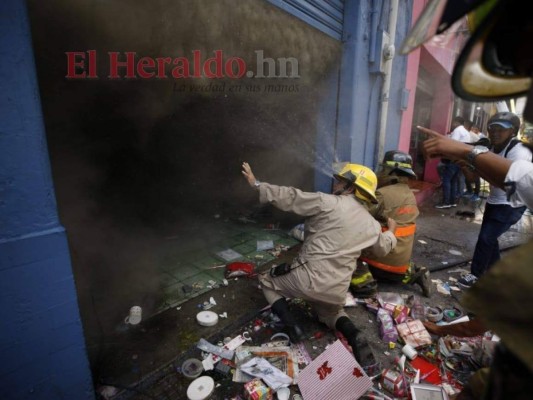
x,y
391,224
437,145
432,328
248,174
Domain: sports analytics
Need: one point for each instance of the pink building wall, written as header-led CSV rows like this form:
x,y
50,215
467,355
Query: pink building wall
x,y
413,60
410,84
437,57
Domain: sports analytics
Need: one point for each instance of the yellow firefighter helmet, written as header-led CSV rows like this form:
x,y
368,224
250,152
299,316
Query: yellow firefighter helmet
x,y
363,178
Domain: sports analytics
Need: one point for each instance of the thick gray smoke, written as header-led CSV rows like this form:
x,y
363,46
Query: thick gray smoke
x,y
138,161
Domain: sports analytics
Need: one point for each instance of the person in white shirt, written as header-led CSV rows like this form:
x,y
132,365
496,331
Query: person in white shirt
x,y
461,133
474,134
499,214
515,177
473,185
493,65
449,172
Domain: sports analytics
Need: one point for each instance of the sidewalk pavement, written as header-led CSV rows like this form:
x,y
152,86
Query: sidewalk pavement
x,y
144,361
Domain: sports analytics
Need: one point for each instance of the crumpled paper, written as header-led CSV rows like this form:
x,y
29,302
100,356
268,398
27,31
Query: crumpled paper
x,y
272,376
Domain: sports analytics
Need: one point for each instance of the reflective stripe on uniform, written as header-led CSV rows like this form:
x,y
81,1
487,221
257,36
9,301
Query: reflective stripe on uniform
x,y
398,269
403,230
406,210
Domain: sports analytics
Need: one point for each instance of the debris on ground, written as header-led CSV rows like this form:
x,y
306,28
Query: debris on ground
x,y
266,362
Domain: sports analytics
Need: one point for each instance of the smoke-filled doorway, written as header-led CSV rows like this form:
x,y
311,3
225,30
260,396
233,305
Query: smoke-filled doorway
x,y
147,168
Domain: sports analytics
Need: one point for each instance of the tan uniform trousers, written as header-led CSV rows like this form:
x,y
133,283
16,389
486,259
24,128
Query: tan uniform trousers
x,y
297,284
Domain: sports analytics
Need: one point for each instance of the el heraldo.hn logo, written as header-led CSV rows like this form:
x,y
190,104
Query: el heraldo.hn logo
x,y
129,65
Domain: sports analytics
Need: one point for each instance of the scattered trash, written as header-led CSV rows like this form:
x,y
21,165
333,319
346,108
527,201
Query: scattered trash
x,y
444,262
223,315
455,252
418,311
422,241
135,316
228,255
225,282
217,266
394,382
272,376
263,245
451,314
414,333
282,335
387,330
283,393
223,368
390,298
223,352
207,318
236,269
409,351
201,388
443,288
301,353
434,314
350,300
192,368
257,390
459,270
425,391
344,373
281,357
107,392
212,284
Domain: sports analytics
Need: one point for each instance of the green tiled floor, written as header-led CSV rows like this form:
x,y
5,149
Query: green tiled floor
x,y
185,273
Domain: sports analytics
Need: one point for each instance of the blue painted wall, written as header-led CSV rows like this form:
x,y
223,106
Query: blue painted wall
x,y
348,121
360,88
42,346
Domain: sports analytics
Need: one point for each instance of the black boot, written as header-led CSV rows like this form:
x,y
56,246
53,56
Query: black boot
x,y
281,309
422,279
361,350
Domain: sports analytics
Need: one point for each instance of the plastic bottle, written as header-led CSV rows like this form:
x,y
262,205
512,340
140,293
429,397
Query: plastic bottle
x,y
418,311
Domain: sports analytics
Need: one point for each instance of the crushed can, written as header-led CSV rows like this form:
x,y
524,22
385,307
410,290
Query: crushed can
x,y
393,382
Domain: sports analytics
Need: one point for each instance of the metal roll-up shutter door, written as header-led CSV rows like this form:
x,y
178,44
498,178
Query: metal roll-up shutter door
x,y
325,15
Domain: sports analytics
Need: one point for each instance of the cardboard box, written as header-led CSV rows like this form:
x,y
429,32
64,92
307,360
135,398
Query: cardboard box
x,y
334,374
414,333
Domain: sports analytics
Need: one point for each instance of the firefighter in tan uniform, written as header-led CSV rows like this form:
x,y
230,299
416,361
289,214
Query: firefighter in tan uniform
x,y
396,201
337,228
